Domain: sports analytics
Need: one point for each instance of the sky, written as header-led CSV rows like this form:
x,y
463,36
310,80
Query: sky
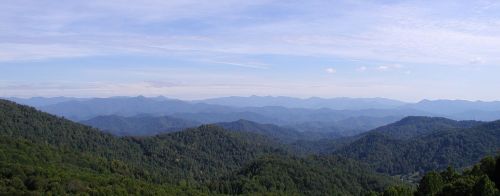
x,y
406,50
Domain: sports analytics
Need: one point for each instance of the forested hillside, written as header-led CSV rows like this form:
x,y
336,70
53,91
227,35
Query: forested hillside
x,y
419,144
418,126
279,133
42,153
282,134
314,175
482,179
41,169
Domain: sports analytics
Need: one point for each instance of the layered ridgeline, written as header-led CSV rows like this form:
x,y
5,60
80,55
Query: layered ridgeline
x,y
41,153
146,125
141,125
419,144
281,134
342,122
252,108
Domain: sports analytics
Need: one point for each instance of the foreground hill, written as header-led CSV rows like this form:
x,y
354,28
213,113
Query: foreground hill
x,y
206,148
44,154
30,168
315,175
142,125
481,179
418,144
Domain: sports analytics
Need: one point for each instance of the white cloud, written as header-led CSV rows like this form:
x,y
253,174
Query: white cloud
x,y
361,69
330,70
476,60
408,32
382,67
388,67
404,32
244,65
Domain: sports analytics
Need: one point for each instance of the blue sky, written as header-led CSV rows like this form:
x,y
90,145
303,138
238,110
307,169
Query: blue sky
x,y
407,50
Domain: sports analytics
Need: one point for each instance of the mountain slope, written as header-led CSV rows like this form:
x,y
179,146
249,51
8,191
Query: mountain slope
x,y
313,175
44,154
438,149
39,169
481,179
166,154
346,127
142,125
415,126
280,133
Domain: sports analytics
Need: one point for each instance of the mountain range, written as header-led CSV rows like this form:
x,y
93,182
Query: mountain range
x,y
141,125
229,158
71,158
421,144
328,118
86,108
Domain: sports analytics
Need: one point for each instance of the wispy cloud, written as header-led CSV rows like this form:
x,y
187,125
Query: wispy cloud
x,y
408,32
287,41
388,67
362,68
244,65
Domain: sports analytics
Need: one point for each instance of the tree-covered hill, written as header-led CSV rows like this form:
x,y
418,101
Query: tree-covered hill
x,y
270,130
41,154
436,147
314,175
417,126
282,134
481,179
29,168
206,147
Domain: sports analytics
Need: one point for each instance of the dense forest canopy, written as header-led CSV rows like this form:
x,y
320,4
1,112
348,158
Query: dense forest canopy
x,y
73,158
43,153
396,148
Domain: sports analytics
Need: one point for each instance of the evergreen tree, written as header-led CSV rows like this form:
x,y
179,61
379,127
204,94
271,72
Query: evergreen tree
x,y
431,184
485,187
